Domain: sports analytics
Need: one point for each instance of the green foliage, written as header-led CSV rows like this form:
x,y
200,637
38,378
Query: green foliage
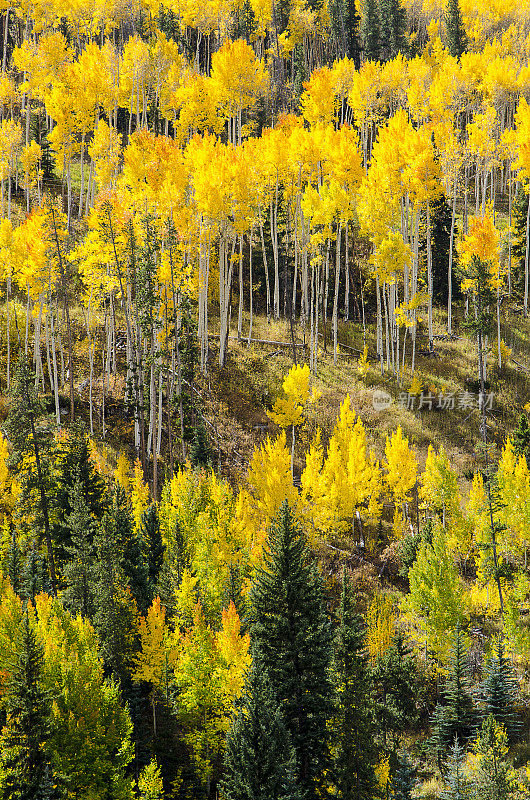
x,y
457,787
23,765
402,778
150,782
200,455
494,778
78,596
521,437
151,539
499,690
371,30
260,761
395,682
357,753
455,717
454,29
291,640
435,591
12,565
393,29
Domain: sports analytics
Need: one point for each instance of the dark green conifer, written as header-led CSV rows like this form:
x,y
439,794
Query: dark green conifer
x,y
23,763
499,690
357,753
200,455
403,778
291,640
78,571
371,31
393,28
457,786
13,562
455,716
35,578
154,549
395,682
260,761
454,28
521,438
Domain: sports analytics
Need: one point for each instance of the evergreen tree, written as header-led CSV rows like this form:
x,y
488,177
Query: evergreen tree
x,y
454,27
521,438
458,787
291,640
35,578
115,610
493,780
345,23
79,569
131,550
31,438
393,28
75,465
260,762
394,676
200,455
13,562
357,753
371,31
499,691
23,763
440,224
402,778
154,549
455,716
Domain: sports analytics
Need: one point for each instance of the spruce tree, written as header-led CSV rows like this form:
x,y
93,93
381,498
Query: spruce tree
x,y
393,26
499,691
130,550
35,578
75,465
32,442
371,31
154,549
13,562
395,682
521,438
492,780
260,761
200,455
23,763
457,787
403,778
291,640
357,753
79,569
455,716
454,27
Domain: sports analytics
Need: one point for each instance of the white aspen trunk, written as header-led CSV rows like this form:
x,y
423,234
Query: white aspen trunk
x,y
336,296
347,272
266,268
429,280
251,287
240,306
55,375
527,258
450,266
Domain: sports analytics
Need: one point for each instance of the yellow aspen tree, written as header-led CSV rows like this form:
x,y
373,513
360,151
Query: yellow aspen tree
x,y
402,468
288,411
140,494
154,660
381,621
270,479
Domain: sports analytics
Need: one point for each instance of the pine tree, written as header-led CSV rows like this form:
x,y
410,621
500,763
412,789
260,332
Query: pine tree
x,y
131,550
79,569
200,455
35,578
393,27
499,691
75,465
291,639
371,31
32,442
458,787
23,763
521,438
455,716
13,562
493,771
357,753
394,676
402,778
151,538
454,26
260,762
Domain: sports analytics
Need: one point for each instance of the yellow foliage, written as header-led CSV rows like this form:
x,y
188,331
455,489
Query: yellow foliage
x,y
380,626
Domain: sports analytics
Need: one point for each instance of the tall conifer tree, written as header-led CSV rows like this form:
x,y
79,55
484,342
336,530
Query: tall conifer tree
x,y
291,640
